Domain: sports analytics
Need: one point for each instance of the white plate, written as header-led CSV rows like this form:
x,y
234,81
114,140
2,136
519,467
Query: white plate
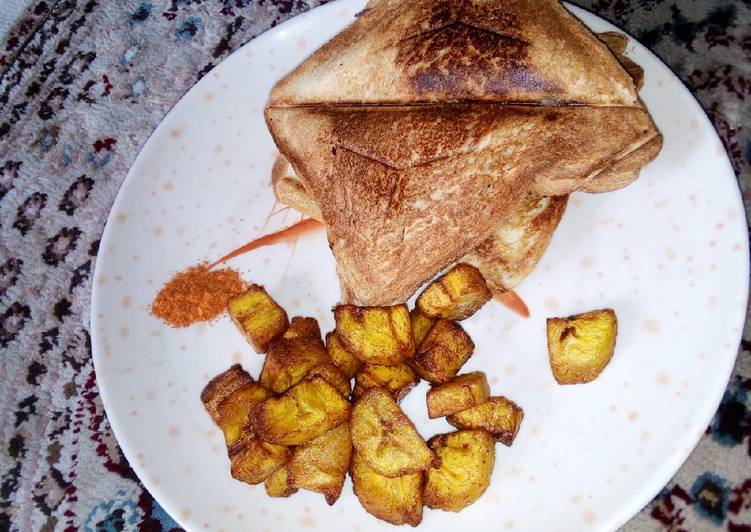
x,y
669,254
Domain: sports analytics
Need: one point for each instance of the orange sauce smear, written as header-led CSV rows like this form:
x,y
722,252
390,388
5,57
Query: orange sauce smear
x,y
513,302
289,235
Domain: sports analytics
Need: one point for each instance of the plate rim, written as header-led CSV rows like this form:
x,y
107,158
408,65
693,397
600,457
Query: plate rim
x,y
617,518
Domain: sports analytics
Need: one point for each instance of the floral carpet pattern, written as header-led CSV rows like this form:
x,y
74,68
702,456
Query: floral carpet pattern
x,y
82,85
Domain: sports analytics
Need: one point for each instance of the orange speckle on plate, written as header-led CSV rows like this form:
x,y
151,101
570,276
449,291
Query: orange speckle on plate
x,y
633,416
175,133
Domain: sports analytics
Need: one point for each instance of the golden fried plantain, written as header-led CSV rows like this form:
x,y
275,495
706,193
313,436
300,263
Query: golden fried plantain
x,y
498,416
396,500
375,335
221,386
321,464
301,327
385,438
466,463
343,359
398,380
460,393
308,409
289,359
421,324
233,412
456,295
442,353
258,317
253,459
580,346
333,376
277,483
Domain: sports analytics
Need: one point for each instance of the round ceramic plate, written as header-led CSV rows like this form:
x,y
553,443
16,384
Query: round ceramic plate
x,y
668,253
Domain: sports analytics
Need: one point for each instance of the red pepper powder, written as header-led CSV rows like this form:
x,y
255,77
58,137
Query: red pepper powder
x,y
196,294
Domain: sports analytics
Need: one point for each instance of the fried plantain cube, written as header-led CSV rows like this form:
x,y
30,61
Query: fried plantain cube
x,y
442,353
233,412
396,500
343,359
397,380
467,458
258,317
221,386
321,464
456,295
375,335
333,376
498,416
421,324
580,346
308,409
385,438
253,460
277,483
289,359
460,393
301,327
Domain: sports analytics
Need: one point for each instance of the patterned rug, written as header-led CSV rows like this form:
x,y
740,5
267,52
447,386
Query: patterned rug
x,y
82,85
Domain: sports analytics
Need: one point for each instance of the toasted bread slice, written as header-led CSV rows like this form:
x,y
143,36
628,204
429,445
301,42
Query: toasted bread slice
x,y
506,257
434,51
380,197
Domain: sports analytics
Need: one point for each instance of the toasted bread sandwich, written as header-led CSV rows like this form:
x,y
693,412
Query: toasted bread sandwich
x,y
419,129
